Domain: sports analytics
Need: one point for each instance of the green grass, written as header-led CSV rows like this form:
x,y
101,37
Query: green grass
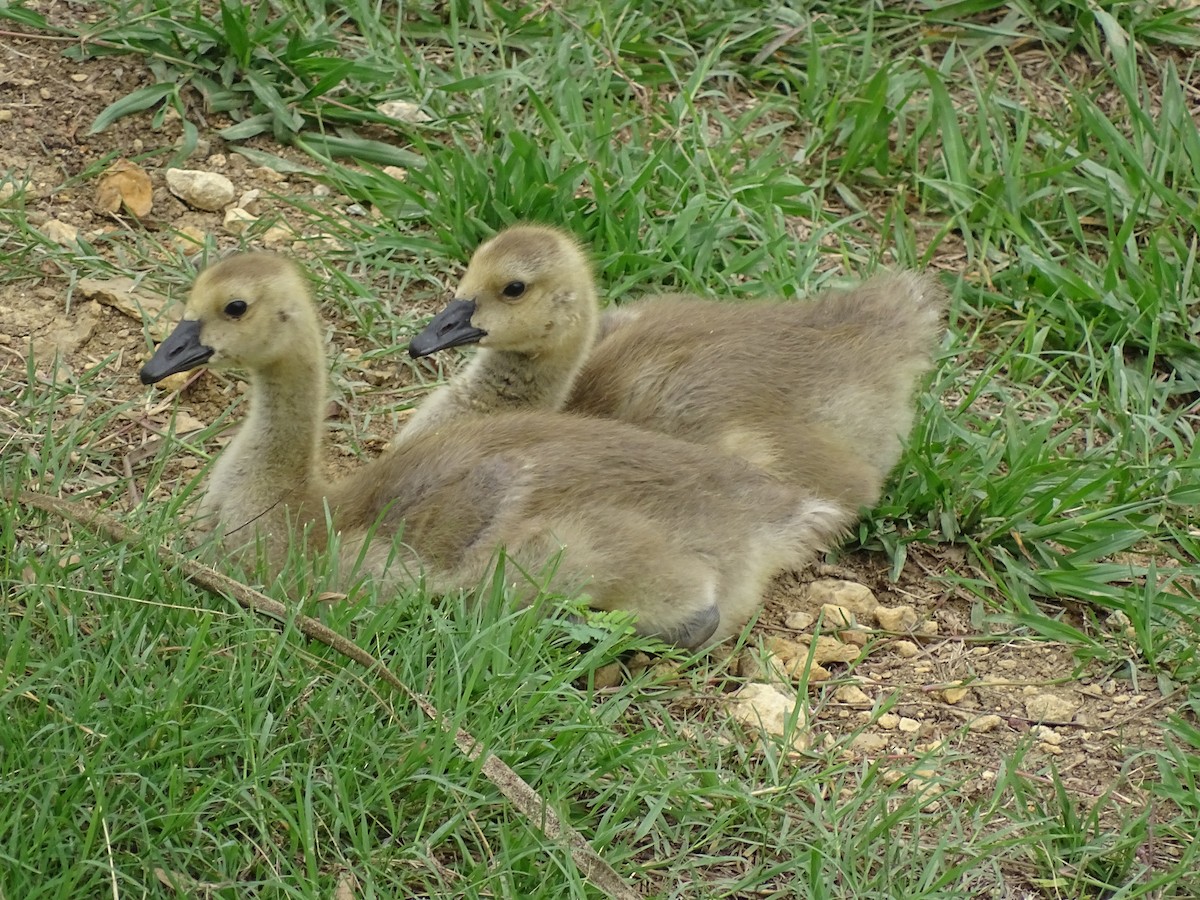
x,y
1043,153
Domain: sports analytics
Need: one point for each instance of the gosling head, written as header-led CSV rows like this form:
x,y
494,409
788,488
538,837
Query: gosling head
x,y
249,311
527,290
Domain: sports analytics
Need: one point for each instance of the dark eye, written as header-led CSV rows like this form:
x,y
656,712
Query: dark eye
x,y
514,289
235,309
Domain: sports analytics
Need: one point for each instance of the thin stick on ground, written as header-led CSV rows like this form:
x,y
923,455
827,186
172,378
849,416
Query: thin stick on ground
x,y
518,791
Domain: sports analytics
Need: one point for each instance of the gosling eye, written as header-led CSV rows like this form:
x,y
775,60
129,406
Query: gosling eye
x,y
235,309
514,289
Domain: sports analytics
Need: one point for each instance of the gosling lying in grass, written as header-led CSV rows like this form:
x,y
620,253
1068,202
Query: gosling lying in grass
x,y
818,393
683,539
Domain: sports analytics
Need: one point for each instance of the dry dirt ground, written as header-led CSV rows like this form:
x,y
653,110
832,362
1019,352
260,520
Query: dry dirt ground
x,y
975,695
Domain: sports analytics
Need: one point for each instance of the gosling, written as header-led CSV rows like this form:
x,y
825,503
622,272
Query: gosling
x,y
638,521
817,393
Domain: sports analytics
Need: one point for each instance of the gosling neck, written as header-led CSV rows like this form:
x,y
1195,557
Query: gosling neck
x,y
278,448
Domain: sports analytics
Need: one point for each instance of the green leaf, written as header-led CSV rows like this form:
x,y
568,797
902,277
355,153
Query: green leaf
x,y
139,100
277,163
361,149
23,16
247,128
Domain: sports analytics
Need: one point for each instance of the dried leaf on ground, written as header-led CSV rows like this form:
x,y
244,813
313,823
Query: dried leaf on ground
x,y
125,183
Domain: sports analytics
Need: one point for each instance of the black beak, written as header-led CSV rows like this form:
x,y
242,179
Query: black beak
x,y
449,328
181,351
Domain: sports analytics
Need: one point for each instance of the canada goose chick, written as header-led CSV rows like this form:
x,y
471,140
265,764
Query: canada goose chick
x,y
253,312
683,539
819,393
528,299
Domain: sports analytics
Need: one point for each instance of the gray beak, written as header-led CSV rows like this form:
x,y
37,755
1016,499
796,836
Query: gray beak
x,y
181,351
449,328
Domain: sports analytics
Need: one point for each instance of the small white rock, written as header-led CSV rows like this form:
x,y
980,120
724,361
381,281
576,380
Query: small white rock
x,y
986,723
265,173
906,649
1046,734
237,220
836,618
852,695
896,618
769,708
799,620
909,726
868,742
189,237
1050,707
60,232
209,191
953,695
853,596
249,200
278,234
854,636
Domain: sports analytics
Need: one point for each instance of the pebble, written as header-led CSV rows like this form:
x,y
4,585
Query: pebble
x,y
208,191
188,238
60,232
794,667
906,649
955,694
404,111
278,234
249,200
854,636
909,726
836,618
852,695
608,676
237,220
824,649
1042,707
986,723
889,721
356,209
772,709
799,620
265,173
868,742
896,618
855,597
1046,734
